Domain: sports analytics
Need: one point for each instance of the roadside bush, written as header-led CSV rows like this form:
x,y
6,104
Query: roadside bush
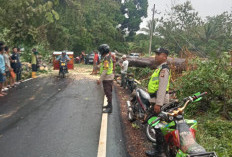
x,y
213,76
215,134
142,74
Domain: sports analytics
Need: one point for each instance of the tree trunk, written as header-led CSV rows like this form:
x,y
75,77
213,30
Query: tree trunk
x,y
177,63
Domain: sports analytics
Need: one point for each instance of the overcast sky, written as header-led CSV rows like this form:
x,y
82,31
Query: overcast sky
x,y
204,7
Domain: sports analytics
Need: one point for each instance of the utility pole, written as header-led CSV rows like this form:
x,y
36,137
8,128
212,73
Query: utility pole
x,y
151,31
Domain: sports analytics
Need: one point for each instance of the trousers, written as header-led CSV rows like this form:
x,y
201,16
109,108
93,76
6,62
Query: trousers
x,y
107,85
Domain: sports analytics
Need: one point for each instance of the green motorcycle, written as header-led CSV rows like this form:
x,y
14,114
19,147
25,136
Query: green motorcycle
x,y
179,133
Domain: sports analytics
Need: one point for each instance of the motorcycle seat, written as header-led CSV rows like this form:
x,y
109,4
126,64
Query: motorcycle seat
x,y
196,148
188,142
144,97
143,94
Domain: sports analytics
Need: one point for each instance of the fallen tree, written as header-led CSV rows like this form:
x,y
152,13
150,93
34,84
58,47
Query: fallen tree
x,y
178,64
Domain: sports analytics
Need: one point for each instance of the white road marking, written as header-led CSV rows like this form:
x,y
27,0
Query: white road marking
x,y
103,133
27,80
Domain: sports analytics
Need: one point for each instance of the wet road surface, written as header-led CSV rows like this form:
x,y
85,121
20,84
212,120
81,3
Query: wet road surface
x,y
51,117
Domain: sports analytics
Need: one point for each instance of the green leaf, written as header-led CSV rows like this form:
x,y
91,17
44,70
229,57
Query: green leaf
x,y
49,17
56,15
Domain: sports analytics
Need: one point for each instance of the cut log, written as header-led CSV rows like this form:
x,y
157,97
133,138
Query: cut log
x,y
179,64
149,62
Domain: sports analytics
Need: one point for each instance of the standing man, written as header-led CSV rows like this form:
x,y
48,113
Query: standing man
x,y
158,88
95,63
16,65
2,70
82,57
124,67
34,62
19,77
107,76
8,68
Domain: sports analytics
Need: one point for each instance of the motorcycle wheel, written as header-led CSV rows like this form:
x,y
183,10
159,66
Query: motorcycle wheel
x,y
60,73
150,133
63,73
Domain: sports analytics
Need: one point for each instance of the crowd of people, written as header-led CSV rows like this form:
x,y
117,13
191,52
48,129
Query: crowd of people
x,y
10,68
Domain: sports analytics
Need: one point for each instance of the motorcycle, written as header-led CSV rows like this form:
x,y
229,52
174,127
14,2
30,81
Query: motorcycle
x,y
179,133
130,82
63,69
139,107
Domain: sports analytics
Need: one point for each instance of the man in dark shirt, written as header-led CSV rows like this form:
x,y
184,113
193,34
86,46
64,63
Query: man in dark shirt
x,y
16,64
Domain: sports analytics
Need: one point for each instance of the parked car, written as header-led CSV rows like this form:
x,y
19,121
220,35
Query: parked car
x,y
134,55
89,58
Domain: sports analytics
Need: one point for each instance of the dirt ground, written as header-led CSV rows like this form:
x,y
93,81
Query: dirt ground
x,y
136,140
80,71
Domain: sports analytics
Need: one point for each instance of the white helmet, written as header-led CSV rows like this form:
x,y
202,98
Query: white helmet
x,y
124,56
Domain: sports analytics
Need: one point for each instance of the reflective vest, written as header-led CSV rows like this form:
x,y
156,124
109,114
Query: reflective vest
x,y
153,84
109,66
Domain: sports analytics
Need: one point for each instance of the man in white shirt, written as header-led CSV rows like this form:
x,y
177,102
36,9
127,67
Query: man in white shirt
x,y
124,67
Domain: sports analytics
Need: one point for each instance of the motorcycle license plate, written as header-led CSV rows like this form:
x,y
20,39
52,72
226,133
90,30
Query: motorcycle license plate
x,y
62,64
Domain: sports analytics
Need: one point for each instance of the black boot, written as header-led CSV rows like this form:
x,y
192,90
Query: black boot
x,y
105,106
108,109
158,147
158,151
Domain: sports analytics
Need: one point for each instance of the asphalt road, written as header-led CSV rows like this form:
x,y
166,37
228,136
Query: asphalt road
x,y
51,117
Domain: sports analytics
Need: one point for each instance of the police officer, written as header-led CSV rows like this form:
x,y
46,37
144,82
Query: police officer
x,y
158,88
107,76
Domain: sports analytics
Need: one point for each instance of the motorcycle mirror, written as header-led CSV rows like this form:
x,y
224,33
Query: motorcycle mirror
x,y
198,98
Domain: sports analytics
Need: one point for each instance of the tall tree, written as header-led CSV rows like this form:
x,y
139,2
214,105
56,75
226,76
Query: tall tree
x,y
134,11
25,20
